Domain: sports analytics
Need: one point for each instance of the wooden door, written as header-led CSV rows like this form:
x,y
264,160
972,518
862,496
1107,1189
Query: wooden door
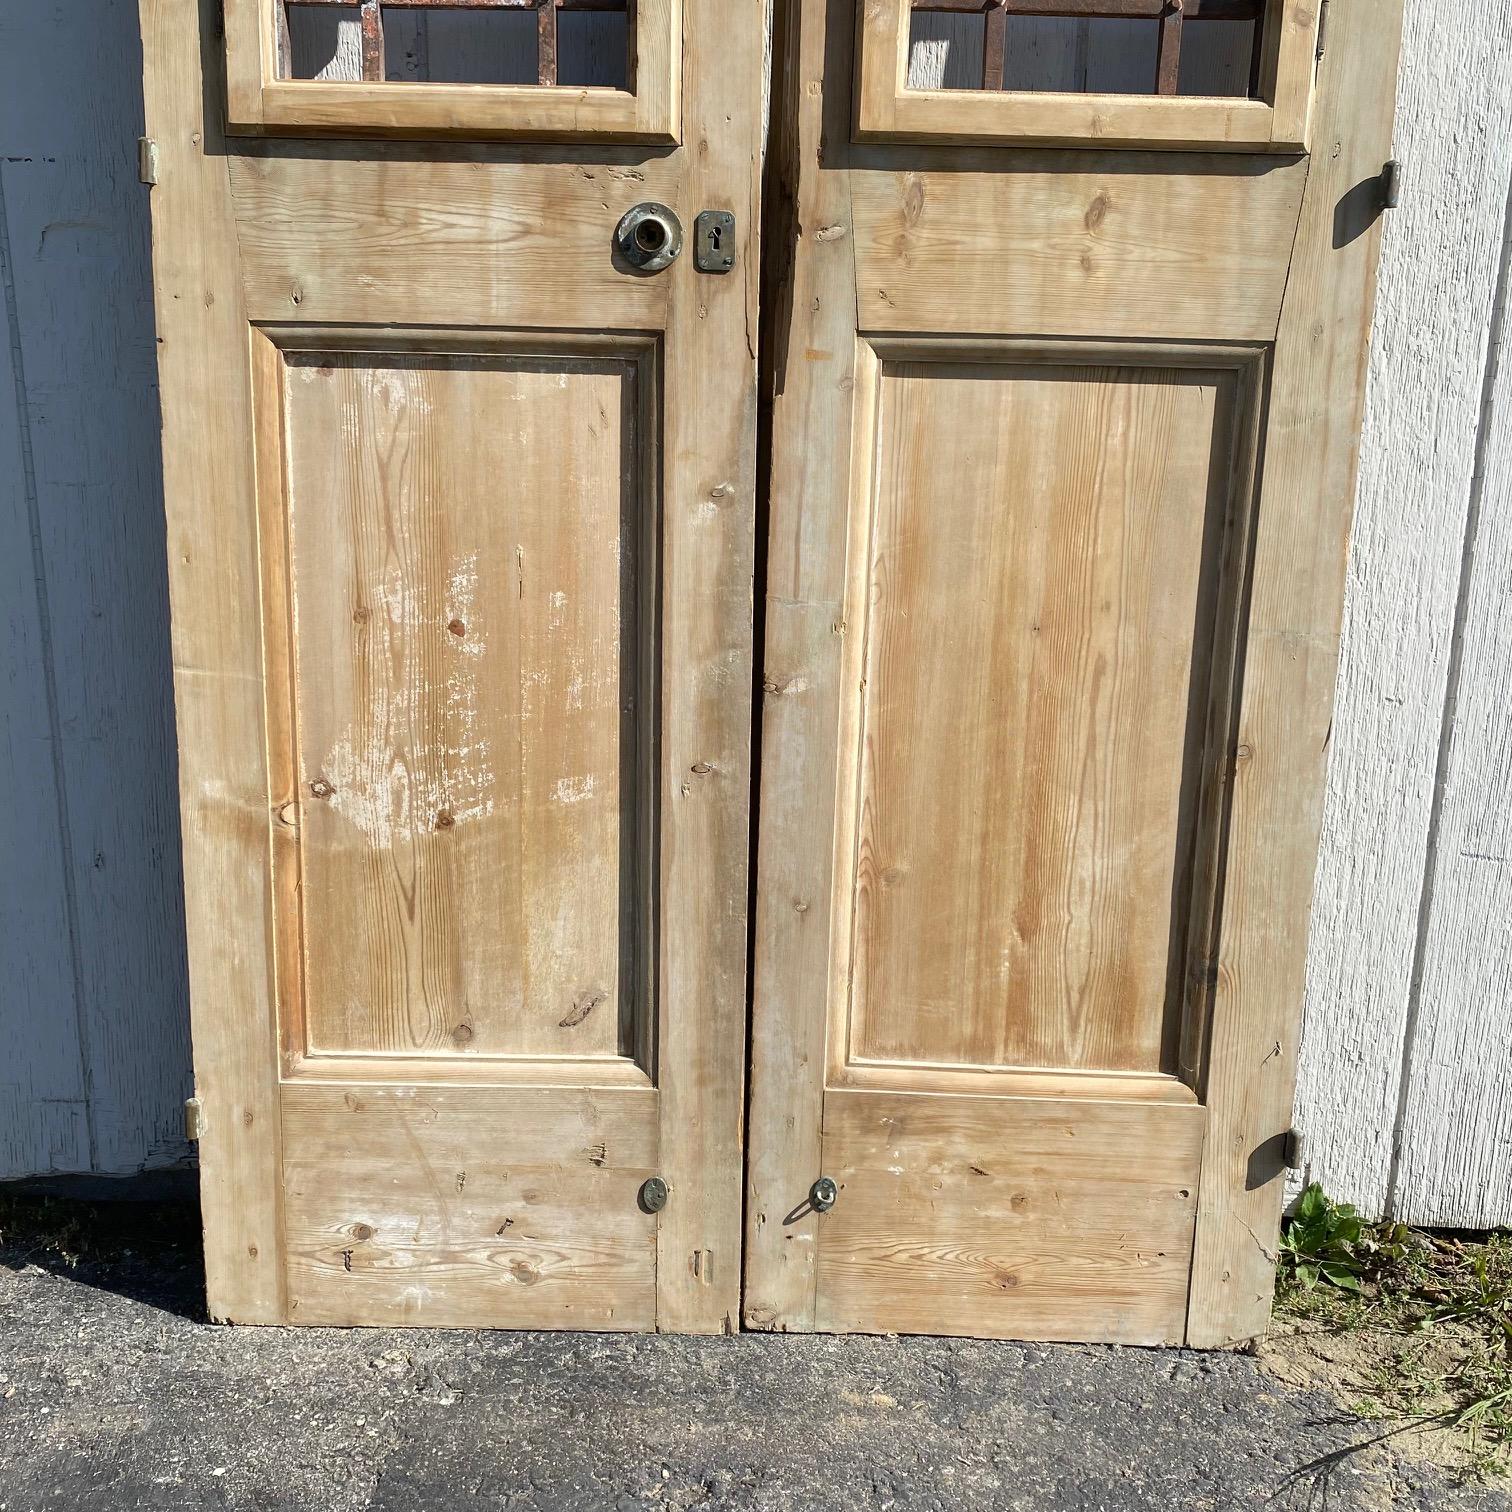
x,y
1066,394
460,492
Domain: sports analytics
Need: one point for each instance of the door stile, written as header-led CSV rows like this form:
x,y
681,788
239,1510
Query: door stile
x,y
1296,605
815,357
217,661
707,566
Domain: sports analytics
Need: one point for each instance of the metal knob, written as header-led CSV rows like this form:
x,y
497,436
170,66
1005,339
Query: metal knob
x,y
822,1194
649,236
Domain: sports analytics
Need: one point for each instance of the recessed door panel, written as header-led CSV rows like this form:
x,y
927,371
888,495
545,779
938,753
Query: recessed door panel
x,y
471,558
1042,565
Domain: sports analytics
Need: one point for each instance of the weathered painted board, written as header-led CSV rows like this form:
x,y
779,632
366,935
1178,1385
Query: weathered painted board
x,y
94,1054
1455,1163
1424,419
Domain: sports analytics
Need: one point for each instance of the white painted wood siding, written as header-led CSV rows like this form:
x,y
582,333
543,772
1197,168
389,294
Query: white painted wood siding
x,y
1408,1042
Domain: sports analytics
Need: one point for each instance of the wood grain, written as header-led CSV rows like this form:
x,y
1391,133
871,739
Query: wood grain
x,y
470,680
465,238
209,490
1010,1219
1025,788
1059,246
705,731
812,358
447,1207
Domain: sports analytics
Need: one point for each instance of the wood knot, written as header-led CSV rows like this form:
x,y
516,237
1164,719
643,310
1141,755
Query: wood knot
x,y
361,1231
457,628
320,788
445,820
582,1008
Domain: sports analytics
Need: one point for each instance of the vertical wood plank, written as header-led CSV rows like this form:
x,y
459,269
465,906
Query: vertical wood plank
x,y
93,931
44,1104
811,313
212,553
1292,655
1456,1131
707,542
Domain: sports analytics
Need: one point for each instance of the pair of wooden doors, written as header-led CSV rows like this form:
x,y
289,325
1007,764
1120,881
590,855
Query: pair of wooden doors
x,y
460,334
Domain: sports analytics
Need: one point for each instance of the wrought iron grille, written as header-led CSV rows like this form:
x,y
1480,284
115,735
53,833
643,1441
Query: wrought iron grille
x,y
546,11
1171,14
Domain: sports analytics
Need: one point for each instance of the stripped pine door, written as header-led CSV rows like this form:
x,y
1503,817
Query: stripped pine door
x,y
459,474
1066,393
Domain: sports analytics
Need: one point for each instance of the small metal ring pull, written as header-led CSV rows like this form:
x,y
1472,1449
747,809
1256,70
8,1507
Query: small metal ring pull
x,y
822,1194
649,236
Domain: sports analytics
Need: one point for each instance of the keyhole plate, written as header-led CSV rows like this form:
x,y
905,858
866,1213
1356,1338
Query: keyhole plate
x,y
714,241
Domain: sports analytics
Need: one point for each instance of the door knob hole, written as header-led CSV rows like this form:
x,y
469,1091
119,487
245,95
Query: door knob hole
x,y
648,237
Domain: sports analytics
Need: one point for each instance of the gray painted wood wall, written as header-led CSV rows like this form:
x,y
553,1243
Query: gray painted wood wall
x,y
1408,1042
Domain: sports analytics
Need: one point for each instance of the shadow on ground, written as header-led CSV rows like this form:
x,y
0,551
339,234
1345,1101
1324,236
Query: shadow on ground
x,y
114,1393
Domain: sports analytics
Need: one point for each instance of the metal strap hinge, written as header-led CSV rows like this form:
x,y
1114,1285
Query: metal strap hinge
x,y
147,160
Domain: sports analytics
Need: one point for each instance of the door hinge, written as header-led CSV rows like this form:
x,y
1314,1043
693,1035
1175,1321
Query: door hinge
x,y
1294,1149
1391,184
147,160
193,1119
1322,29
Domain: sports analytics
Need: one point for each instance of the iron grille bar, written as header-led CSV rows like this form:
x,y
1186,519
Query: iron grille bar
x,y
1169,13
371,13
1168,57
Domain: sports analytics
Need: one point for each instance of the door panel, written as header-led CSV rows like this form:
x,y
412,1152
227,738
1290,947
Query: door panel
x,y
467,539
397,1213
460,529
1030,1235
1062,463
1040,609
1061,246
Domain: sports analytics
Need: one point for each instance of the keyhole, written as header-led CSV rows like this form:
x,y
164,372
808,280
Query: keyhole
x,y
716,235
